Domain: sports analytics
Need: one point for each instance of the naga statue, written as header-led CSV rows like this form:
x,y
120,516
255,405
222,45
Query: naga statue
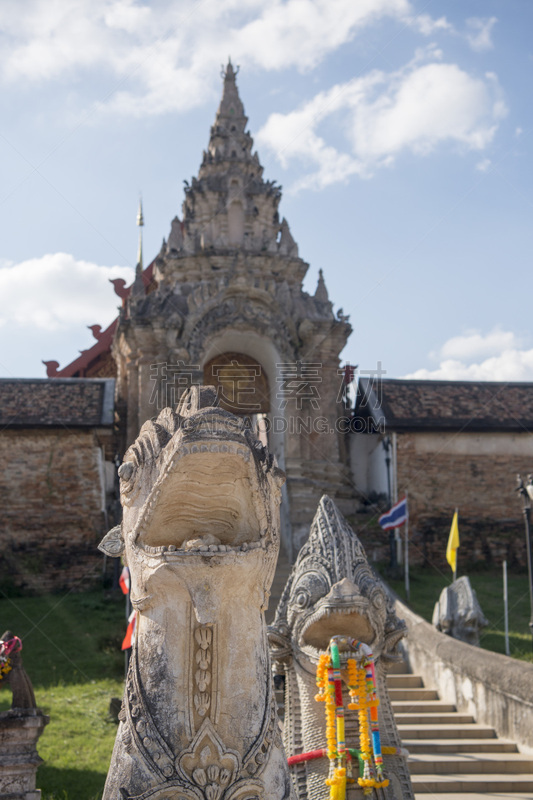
x,y
200,535
333,602
458,614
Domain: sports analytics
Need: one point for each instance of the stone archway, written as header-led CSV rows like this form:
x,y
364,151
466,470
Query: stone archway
x,y
241,381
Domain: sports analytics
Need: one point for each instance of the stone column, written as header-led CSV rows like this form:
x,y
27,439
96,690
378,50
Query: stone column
x,y
133,402
148,398
20,729
314,462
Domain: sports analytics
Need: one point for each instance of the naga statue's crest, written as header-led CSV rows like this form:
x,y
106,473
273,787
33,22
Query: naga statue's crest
x,y
332,588
200,534
332,591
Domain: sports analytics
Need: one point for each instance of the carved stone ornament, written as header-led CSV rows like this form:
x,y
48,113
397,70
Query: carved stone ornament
x,y
112,544
200,533
332,591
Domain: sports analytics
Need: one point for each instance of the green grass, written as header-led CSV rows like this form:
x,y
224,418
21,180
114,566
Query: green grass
x,y
71,651
72,655
426,585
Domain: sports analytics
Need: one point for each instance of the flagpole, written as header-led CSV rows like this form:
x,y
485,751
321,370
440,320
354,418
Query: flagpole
x,y
128,651
455,570
406,553
506,609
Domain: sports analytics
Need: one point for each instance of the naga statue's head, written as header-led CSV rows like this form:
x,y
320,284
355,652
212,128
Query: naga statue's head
x,y
196,487
332,592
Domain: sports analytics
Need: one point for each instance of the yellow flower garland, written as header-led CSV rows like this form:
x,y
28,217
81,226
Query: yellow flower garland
x,y
5,667
364,700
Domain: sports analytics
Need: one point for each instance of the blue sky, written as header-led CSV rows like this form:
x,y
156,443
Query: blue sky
x,y
400,131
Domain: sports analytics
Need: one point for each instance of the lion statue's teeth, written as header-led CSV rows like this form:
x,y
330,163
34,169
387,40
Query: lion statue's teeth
x,y
201,541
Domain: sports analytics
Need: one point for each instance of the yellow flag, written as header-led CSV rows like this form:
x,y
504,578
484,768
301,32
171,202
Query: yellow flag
x,y
453,544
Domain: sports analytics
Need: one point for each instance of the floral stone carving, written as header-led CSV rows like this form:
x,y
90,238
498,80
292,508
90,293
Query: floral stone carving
x,y
200,534
332,591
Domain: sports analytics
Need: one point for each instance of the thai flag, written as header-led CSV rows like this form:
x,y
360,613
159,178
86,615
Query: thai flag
x,y
128,639
396,516
124,580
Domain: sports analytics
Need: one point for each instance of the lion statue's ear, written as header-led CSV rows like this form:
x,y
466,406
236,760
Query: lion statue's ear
x,y
113,542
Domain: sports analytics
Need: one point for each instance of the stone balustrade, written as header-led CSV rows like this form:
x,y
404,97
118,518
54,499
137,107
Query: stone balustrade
x,y
496,689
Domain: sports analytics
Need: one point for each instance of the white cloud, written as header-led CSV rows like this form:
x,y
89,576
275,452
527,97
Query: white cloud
x,y
474,344
496,356
413,109
56,290
428,26
164,56
484,165
479,33
301,32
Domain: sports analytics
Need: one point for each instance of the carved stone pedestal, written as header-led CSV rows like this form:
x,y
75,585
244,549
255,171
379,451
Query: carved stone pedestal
x,y
20,729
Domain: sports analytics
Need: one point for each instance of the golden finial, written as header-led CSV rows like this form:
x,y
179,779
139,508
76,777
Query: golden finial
x,y
140,219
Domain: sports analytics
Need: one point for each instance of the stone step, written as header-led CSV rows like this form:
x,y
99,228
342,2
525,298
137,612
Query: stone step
x,y
421,708
413,694
452,757
427,720
446,731
459,746
466,784
398,668
404,681
476,796
470,763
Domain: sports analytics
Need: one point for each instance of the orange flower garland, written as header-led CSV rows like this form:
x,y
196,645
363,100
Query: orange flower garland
x,y
363,699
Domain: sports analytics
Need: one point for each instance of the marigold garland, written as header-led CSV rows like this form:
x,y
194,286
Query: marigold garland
x,y
361,679
7,648
5,667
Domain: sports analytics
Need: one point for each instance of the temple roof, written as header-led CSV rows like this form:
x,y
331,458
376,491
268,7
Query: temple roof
x,y
72,402
415,405
96,361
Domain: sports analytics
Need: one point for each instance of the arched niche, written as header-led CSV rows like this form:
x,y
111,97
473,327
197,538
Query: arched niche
x,y
241,381
263,351
235,223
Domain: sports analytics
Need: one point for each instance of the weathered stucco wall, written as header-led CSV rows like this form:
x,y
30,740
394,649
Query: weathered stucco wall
x,y
52,496
495,689
474,472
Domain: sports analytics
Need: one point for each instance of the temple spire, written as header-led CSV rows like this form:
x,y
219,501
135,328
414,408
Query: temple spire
x,y
321,293
231,106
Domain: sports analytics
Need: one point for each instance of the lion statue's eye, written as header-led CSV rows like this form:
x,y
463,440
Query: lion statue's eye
x,y
126,473
126,470
309,589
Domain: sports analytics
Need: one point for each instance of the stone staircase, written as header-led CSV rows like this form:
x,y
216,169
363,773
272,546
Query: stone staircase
x,y
451,756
